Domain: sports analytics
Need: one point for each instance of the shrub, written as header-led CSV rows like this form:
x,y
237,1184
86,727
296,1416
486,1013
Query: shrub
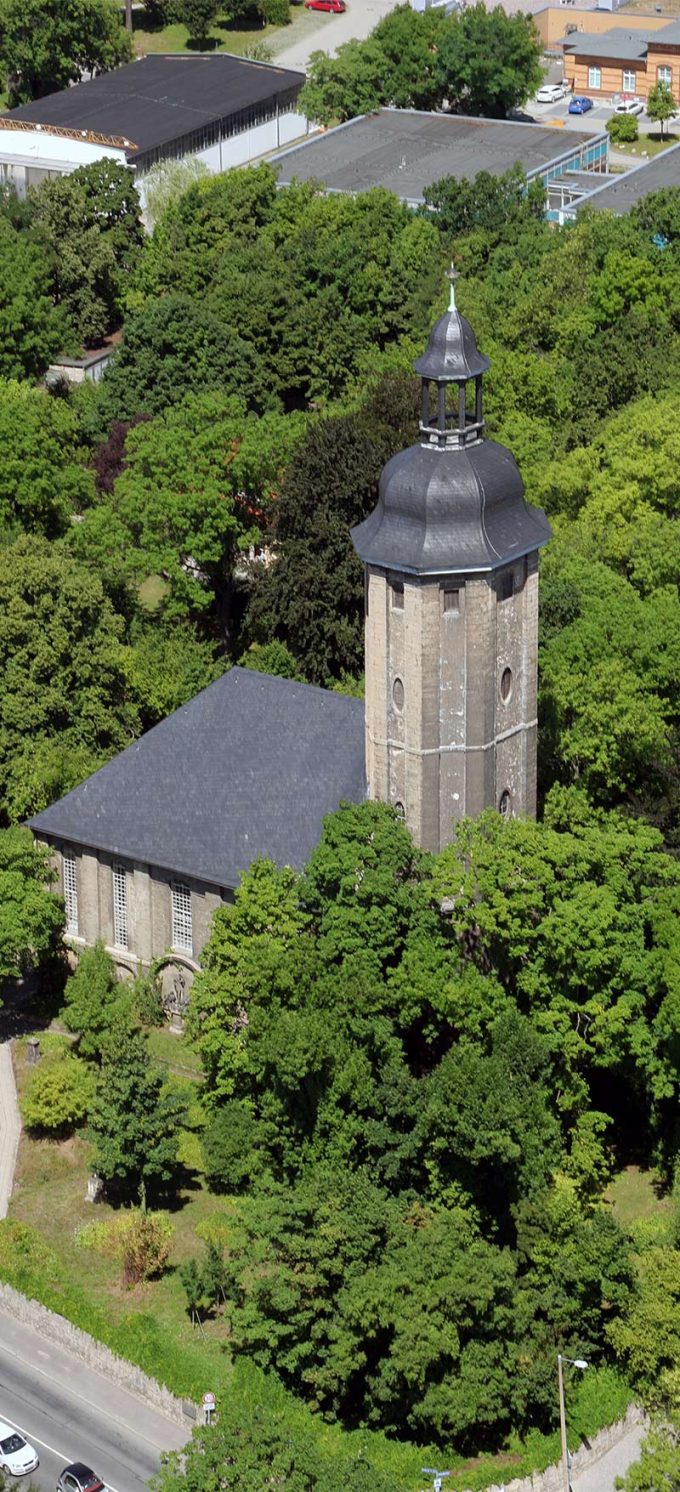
x,y
622,128
140,1240
229,1147
58,1095
275,12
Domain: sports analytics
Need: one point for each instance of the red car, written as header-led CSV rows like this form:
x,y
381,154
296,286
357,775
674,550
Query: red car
x,y
335,6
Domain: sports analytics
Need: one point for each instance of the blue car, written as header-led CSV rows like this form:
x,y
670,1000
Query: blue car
x,y
580,105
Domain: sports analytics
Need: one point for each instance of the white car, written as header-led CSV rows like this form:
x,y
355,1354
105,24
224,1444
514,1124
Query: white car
x,y
550,93
17,1457
630,106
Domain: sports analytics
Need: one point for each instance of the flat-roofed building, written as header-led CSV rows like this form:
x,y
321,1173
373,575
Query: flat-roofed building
x,y
222,109
406,151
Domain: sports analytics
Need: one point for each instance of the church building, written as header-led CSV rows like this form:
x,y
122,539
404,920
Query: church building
x,y
147,847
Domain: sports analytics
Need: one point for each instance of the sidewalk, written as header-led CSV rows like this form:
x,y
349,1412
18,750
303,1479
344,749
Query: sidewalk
x,y
10,1126
601,1476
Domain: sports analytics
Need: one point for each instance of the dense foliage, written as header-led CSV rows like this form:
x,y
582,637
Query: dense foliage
x,y
31,917
475,61
45,45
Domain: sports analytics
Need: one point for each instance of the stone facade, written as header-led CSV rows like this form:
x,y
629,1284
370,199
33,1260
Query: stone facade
x,y
451,667
149,916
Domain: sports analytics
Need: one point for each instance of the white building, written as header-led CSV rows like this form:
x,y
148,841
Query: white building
x,y
224,110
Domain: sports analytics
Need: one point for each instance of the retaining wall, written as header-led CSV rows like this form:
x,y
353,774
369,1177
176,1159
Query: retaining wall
x,y
552,1480
57,1329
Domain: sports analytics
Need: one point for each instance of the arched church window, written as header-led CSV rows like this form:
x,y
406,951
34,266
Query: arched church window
x,y
398,694
505,804
506,685
400,810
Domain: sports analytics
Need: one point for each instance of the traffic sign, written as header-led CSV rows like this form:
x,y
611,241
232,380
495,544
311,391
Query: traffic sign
x,y
209,1400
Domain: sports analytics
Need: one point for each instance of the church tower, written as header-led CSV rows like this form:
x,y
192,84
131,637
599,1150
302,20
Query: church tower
x,y
451,564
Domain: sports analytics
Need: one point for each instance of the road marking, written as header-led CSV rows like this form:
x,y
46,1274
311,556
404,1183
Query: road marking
x,y
52,1449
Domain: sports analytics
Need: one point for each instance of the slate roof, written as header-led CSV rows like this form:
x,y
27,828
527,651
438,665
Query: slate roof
x,y
454,511
248,767
406,150
161,99
619,44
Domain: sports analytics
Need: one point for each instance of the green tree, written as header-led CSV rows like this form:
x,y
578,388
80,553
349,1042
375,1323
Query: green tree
x,y
661,105
91,998
31,916
90,223
32,329
134,1119
622,128
63,675
173,347
198,17
482,62
58,1095
271,657
196,490
43,480
493,204
45,46
313,597
489,62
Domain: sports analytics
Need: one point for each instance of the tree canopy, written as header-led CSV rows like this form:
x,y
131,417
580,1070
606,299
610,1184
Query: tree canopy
x,y
476,61
45,46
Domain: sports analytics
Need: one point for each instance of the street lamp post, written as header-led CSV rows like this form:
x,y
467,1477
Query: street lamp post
x,y
574,1362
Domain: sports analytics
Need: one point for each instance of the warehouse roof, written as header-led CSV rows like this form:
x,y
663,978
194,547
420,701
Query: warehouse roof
x,y
405,151
160,99
249,767
620,193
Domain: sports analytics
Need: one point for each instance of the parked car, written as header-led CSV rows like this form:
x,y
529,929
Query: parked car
x,y
549,93
17,1457
80,1478
335,6
630,106
579,105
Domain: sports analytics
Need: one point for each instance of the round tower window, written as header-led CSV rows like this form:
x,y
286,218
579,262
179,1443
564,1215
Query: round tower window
x,y
398,694
400,810
505,804
506,684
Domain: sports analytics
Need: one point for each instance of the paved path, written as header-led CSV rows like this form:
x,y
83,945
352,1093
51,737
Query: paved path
x,y
359,19
601,1476
10,1126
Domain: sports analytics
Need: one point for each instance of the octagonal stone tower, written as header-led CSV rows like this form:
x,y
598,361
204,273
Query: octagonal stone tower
x,y
451,563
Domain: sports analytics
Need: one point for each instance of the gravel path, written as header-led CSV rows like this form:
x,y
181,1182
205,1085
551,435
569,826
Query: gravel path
x,y
10,1126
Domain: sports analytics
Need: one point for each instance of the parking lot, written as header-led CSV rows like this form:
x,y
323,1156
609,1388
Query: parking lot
x,y
594,121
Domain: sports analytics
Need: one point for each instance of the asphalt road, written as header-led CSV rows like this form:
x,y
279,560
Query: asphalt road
x,y
70,1413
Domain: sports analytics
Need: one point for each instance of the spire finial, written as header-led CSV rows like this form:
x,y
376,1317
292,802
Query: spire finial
x,y
452,276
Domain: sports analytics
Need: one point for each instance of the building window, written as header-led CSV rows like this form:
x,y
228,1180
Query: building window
x,y
398,694
629,81
594,77
451,600
397,594
664,75
182,932
400,811
120,927
70,890
505,804
506,586
506,685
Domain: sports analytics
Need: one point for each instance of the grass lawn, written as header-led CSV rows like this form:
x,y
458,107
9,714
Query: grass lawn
x,y
50,1191
225,35
647,145
635,1194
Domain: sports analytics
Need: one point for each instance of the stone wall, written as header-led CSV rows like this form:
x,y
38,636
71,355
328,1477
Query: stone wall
x,y
57,1329
552,1480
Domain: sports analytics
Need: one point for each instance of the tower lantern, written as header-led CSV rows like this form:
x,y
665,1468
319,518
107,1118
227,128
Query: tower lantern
x,y
451,560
